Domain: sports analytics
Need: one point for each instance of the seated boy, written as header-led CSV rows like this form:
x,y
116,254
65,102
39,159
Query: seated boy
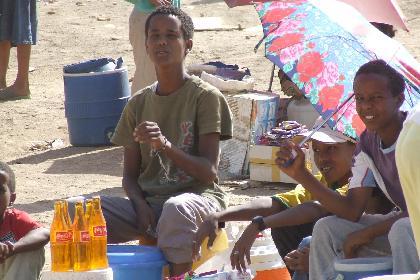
x,y
291,215
170,132
379,93
22,240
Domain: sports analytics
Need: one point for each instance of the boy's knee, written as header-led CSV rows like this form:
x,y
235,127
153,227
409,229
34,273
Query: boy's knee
x,y
323,225
401,229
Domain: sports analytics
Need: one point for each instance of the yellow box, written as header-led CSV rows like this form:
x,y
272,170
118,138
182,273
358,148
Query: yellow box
x,y
268,173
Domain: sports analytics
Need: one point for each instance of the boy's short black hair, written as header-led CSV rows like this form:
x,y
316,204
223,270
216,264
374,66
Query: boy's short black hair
x,y
12,181
396,81
187,25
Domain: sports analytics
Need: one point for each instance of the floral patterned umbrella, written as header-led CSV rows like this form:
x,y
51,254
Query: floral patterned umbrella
x,y
320,45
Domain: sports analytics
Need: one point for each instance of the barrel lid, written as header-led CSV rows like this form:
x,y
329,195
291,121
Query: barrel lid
x,y
127,254
363,264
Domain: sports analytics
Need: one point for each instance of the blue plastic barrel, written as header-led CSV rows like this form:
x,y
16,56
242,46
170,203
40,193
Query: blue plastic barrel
x,y
354,269
136,262
96,92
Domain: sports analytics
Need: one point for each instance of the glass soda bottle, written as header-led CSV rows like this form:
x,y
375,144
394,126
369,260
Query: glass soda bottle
x,y
61,240
98,230
81,240
89,210
69,225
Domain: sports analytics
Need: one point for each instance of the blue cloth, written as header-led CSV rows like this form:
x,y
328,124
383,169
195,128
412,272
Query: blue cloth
x,y
18,22
299,275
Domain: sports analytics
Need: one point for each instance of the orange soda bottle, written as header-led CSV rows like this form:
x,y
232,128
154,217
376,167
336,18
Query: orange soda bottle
x,y
81,240
98,232
89,210
61,240
69,225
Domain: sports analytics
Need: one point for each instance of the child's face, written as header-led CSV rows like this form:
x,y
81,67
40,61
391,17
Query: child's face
x,y
165,43
375,104
333,160
4,196
288,87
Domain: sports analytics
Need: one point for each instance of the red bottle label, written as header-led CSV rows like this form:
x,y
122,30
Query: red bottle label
x,y
63,236
99,231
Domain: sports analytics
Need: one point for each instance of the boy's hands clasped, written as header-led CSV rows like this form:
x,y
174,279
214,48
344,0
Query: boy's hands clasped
x,y
149,132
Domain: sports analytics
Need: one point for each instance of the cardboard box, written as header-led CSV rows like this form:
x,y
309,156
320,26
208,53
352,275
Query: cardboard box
x,y
263,168
268,173
253,114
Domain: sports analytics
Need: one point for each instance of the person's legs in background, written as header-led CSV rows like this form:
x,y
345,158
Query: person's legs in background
x,y
144,74
4,62
21,85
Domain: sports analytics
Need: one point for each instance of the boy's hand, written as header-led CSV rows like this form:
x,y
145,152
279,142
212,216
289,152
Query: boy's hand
x,y
149,132
354,241
298,260
208,228
286,156
242,248
146,220
6,250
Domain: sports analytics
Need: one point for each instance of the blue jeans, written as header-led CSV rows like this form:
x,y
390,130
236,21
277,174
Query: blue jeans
x,y
300,275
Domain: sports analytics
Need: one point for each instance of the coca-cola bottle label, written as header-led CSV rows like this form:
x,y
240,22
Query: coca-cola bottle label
x,y
99,231
84,236
63,236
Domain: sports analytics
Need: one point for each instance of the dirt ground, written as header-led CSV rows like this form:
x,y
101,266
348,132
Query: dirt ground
x,y
75,30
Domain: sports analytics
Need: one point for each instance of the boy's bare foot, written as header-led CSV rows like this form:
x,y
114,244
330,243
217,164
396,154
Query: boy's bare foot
x,y
13,93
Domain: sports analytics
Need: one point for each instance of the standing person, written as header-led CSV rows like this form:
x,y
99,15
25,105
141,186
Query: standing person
x,y
170,132
144,74
379,93
22,239
18,28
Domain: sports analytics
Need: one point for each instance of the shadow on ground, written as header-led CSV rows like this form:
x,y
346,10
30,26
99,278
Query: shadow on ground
x,y
48,204
79,160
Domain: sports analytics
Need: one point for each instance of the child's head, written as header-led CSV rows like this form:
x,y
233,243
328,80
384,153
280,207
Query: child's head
x,y
11,180
5,196
288,87
169,33
333,153
379,92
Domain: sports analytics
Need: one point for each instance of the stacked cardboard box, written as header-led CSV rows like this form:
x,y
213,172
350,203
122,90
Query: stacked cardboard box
x,y
253,114
262,165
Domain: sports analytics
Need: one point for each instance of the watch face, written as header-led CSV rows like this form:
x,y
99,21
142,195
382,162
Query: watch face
x,y
259,220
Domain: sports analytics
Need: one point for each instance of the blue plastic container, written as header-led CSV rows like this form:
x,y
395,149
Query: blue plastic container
x,y
136,262
354,269
96,92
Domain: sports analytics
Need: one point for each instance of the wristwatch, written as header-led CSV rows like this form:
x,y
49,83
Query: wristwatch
x,y
259,220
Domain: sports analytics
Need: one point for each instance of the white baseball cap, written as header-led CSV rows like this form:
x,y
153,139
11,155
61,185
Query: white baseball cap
x,y
326,135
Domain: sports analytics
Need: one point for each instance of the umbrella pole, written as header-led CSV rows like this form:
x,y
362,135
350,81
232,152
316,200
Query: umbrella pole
x,y
315,129
271,78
